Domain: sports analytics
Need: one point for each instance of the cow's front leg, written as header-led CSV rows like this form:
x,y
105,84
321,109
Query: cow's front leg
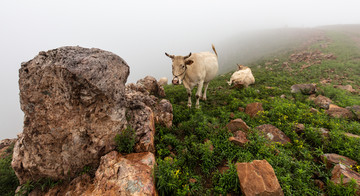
x,y
206,84
198,94
189,97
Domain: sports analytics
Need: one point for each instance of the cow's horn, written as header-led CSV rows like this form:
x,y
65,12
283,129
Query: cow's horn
x,y
187,56
171,56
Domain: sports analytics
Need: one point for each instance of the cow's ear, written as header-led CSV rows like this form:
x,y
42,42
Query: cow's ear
x,y
189,62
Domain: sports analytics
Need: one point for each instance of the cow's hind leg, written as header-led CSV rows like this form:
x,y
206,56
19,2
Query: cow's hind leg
x,y
206,84
198,94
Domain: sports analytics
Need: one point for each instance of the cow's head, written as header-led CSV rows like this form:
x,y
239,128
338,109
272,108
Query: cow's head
x,y
179,67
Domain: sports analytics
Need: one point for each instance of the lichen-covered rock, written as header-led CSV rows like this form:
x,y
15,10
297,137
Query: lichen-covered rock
x,y
73,100
273,134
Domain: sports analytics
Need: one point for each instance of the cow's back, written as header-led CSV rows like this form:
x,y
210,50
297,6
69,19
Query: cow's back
x,y
206,63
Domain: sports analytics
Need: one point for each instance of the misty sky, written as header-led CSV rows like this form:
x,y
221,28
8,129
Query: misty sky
x,y
140,32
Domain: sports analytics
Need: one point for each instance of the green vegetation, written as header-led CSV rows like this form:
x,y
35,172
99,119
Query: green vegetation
x,y
8,179
197,144
125,141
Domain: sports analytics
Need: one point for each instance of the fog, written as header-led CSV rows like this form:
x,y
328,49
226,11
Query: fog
x,y
141,31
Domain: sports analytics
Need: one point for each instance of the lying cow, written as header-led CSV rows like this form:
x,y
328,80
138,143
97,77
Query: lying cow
x,y
194,69
243,77
163,81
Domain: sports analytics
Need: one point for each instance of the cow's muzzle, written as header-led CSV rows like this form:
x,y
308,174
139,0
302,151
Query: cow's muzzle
x,y
176,81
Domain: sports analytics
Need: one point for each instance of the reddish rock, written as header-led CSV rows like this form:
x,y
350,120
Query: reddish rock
x,y
241,109
306,89
273,134
117,175
239,138
344,174
322,102
253,109
258,178
331,159
151,85
339,112
237,124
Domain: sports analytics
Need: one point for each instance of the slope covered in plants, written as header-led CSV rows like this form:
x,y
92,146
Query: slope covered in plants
x,y
195,155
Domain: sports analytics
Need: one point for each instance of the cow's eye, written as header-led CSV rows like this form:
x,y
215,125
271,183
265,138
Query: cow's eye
x,y
182,66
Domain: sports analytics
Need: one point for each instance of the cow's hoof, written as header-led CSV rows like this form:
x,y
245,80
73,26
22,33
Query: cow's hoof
x,y
189,105
203,98
197,107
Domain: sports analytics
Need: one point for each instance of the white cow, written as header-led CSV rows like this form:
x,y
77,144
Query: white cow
x,y
243,77
163,81
194,69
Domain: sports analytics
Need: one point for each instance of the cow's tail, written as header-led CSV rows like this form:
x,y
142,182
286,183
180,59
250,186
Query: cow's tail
x,y
213,47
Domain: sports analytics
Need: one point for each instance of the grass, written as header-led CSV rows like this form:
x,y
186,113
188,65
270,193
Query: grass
x,y
197,145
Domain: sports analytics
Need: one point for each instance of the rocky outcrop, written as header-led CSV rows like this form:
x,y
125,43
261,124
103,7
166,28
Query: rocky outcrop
x,y
258,178
117,175
75,101
273,134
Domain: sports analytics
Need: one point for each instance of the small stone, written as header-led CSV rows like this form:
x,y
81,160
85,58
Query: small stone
x,y
237,124
331,159
253,109
322,102
273,134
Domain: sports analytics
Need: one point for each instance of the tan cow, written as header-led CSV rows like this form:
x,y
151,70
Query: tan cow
x,y
194,69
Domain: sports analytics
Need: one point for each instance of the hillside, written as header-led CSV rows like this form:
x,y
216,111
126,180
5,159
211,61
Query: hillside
x,y
193,154
202,151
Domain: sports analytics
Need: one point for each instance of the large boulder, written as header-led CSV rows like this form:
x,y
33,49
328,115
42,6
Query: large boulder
x,y
258,178
75,101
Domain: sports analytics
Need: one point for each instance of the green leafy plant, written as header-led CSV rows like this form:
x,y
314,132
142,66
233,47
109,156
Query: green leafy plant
x,y
125,141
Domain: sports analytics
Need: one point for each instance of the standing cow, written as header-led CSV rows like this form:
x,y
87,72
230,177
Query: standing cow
x,y
194,69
